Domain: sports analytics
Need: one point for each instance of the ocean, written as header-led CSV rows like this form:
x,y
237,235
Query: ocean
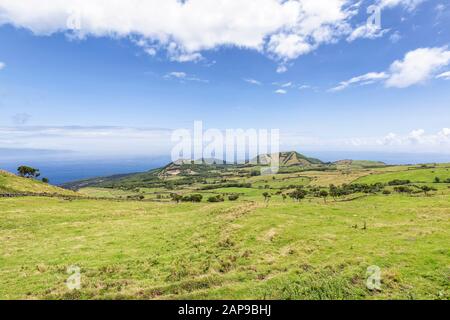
x,y
61,170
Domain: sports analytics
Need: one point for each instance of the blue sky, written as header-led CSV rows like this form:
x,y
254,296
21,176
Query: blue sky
x,y
120,86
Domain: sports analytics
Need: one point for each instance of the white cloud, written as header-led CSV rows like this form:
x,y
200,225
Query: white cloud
x,y
182,76
365,79
395,37
367,31
417,67
281,69
283,84
289,46
444,75
408,4
176,74
284,29
2,65
97,140
281,91
418,138
416,141
253,81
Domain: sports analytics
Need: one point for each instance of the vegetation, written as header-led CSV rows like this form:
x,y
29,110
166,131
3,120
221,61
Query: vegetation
x,y
28,172
221,232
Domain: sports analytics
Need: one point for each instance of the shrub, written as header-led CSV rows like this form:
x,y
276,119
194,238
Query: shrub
x,y
403,189
233,197
398,182
192,198
217,198
176,197
255,173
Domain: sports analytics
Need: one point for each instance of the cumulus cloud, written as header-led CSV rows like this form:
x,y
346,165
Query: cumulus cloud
x,y
418,138
417,67
281,91
282,29
2,65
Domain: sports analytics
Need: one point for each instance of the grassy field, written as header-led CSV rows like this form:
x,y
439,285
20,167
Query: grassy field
x,y
245,249
412,174
10,183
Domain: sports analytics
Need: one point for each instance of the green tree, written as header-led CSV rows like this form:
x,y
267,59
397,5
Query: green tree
x,y
426,189
176,197
45,180
298,194
28,172
324,194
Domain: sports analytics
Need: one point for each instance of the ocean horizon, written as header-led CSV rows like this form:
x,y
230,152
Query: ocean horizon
x,y
62,170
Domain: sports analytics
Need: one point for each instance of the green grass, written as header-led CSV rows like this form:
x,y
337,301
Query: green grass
x,y
415,175
10,183
245,249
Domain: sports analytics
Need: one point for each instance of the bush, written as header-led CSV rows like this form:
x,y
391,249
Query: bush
x,y
233,197
255,173
398,182
192,198
386,192
217,198
227,185
403,189
176,197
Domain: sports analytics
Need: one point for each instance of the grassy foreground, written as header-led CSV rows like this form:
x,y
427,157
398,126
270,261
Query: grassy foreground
x,y
246,249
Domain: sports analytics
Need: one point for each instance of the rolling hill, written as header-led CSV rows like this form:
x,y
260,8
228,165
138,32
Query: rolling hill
x,y
182,171
12,184
186,173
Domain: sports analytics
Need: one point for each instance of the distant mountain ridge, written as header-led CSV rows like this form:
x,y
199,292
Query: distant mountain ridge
x,y
290,158
187,169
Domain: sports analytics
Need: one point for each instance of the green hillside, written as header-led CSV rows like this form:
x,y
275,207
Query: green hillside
x,y
415,175
246,236
181,173
12,184
229,250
